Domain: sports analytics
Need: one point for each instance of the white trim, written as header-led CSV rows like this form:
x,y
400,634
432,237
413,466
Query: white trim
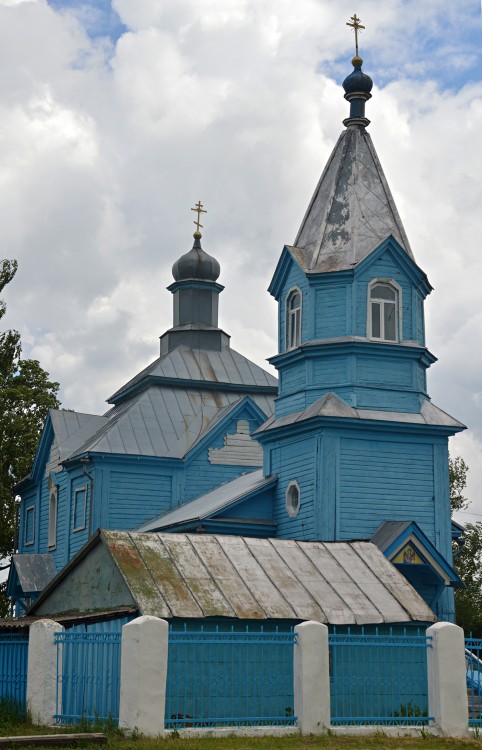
x,y
290,509
290,293
25,542
398,310
76,492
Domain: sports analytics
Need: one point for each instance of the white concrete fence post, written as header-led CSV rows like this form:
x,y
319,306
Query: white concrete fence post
x,y
42,672
447,688
145,643
312,677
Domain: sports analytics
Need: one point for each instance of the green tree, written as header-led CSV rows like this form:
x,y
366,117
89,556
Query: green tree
x,y
26,395
467,555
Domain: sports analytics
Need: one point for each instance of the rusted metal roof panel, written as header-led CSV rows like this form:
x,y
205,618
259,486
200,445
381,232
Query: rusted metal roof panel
x,y
196,575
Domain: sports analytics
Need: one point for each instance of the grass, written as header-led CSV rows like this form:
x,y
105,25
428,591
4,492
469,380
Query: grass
x,y
13,723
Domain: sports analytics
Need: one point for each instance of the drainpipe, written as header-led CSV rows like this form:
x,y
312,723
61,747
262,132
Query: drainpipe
x,y
84,461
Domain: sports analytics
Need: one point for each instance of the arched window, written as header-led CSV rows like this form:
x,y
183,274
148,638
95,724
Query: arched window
x,y
293,319
52,532
383,311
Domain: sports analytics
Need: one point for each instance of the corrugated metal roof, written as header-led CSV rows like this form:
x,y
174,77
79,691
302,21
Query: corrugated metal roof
x,y
197,575
352,210
203,365
212,502
34,571
330,405
165,421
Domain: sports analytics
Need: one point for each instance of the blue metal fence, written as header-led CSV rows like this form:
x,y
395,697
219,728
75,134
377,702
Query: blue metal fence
x,y
13,668
378,678
230,677
88,676
473,666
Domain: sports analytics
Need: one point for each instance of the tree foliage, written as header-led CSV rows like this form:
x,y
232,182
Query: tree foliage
x,y
26,395
467,555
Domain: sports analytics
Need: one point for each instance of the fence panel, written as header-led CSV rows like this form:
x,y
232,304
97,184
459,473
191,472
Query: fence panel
x,y
229,678
473,666
13,669
88,677
379,679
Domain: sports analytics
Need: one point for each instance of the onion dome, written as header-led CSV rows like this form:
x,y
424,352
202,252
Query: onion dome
x,y
357,80
196,264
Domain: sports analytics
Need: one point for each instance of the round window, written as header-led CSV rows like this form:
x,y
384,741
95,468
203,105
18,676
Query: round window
x,y
293,499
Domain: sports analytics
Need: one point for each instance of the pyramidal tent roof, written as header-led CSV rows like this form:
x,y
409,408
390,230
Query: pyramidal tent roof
x,y
352,210
202,367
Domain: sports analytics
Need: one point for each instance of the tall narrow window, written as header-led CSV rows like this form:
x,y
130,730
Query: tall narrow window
x,y
52,533
80,507
383,312
293,319
29,531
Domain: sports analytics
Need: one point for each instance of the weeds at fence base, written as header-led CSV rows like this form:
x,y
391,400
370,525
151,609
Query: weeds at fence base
x,y
12,713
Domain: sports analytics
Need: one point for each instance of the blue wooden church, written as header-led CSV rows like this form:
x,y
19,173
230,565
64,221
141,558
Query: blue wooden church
x,y
346,446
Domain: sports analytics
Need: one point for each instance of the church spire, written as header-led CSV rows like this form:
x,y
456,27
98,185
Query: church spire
x,y
357,85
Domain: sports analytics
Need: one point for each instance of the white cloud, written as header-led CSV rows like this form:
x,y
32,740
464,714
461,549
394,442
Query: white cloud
x,y
105,147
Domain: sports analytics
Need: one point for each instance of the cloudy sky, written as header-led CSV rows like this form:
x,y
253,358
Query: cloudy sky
x,y
116,117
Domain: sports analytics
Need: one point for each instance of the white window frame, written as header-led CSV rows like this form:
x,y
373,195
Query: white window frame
x,y
398,311
26,542
77,492
290,509
53,512
289,315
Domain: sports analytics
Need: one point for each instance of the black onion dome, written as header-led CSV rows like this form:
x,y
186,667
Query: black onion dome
x,y
196,264
358,80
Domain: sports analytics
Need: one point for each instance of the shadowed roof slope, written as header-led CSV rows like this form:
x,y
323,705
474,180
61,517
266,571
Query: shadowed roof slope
x,y
352,210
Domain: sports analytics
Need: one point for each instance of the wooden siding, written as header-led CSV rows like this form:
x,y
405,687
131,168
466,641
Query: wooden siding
x,y
380,370
294,278
382,480
330,311
260,506
296,461
330,371
137,496
385,267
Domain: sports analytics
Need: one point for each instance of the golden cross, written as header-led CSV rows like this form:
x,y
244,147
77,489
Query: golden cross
x,y
200,210
356,26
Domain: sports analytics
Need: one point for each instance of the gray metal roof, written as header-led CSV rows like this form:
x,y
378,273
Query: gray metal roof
x,y
198,575
34,571
387,532
352,210
212,502
71,429
202,365
165,421
331,405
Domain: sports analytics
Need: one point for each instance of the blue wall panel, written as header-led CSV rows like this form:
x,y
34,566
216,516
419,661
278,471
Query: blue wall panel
x,y
137,496
382,480
330,312
296,461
